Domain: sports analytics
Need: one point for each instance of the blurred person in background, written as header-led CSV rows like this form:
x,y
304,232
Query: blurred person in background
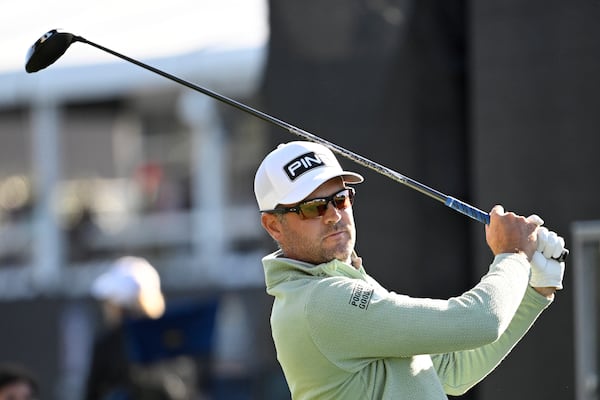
x,y
130,289
17,383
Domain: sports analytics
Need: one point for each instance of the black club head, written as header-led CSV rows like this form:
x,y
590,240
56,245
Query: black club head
x,y
47,49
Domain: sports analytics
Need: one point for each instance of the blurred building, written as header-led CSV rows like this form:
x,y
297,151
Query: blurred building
x,y
103,159
108,159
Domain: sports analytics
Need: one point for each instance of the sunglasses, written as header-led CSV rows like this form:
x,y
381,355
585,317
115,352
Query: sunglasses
x,y
315,208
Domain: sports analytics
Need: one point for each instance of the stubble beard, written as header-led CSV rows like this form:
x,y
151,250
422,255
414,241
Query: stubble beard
x,y
341,250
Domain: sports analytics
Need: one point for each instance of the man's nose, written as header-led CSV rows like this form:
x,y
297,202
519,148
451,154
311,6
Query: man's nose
x,y
332,215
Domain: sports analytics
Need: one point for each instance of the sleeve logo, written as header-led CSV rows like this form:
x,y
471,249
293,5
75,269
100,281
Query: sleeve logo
x,y
361,296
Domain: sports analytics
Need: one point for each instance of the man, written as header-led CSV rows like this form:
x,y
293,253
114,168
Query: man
x,y
129,360
129,290
340,335
17,383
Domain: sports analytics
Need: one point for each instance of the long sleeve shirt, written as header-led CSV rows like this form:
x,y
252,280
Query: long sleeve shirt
x,y
340,335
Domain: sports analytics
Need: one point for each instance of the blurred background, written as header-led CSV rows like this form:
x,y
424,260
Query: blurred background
x,y
490,102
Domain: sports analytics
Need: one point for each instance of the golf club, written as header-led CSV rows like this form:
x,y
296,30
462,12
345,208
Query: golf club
x,y
53,44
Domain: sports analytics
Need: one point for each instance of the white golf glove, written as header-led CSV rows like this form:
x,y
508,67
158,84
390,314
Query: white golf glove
x,y
546,271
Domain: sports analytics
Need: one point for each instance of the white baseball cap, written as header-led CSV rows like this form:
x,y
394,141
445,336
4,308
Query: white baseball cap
x,y
294,170
125,280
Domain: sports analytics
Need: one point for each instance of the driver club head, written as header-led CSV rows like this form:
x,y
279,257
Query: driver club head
x,y
47,49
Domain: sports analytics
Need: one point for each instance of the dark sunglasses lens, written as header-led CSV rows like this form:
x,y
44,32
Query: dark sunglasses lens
x,y
343,200
318,207
313,208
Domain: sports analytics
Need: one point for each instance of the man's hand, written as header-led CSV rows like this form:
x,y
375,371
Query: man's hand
x,y
546,272
511,233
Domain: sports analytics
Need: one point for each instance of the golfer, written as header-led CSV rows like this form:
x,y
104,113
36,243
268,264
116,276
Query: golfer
x,y
341,335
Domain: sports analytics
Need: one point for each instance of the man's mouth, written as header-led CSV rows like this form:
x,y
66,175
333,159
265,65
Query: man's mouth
x,y
335,234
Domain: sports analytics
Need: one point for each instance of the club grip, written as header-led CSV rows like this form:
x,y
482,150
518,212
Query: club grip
x,y
467,210
483,217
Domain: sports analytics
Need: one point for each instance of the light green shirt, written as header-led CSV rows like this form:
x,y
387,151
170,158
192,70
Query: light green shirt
x,y
341,335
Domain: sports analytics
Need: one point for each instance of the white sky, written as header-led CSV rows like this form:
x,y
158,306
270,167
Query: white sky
x,y
136,28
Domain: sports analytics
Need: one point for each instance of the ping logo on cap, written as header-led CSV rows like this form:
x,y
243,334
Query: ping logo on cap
x,y
302,164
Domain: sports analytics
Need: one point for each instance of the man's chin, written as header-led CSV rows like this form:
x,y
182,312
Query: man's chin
x,y
343,256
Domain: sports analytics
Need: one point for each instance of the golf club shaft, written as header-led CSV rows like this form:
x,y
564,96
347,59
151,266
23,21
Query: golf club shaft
x,y
448,201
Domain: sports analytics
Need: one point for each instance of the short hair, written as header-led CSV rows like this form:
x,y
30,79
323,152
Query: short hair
x,y
13,373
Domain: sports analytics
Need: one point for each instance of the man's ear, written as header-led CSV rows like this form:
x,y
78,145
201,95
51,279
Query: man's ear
x,y
272,225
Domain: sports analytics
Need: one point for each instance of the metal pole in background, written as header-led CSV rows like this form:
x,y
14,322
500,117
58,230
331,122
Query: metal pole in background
x,y
208,178
47,245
